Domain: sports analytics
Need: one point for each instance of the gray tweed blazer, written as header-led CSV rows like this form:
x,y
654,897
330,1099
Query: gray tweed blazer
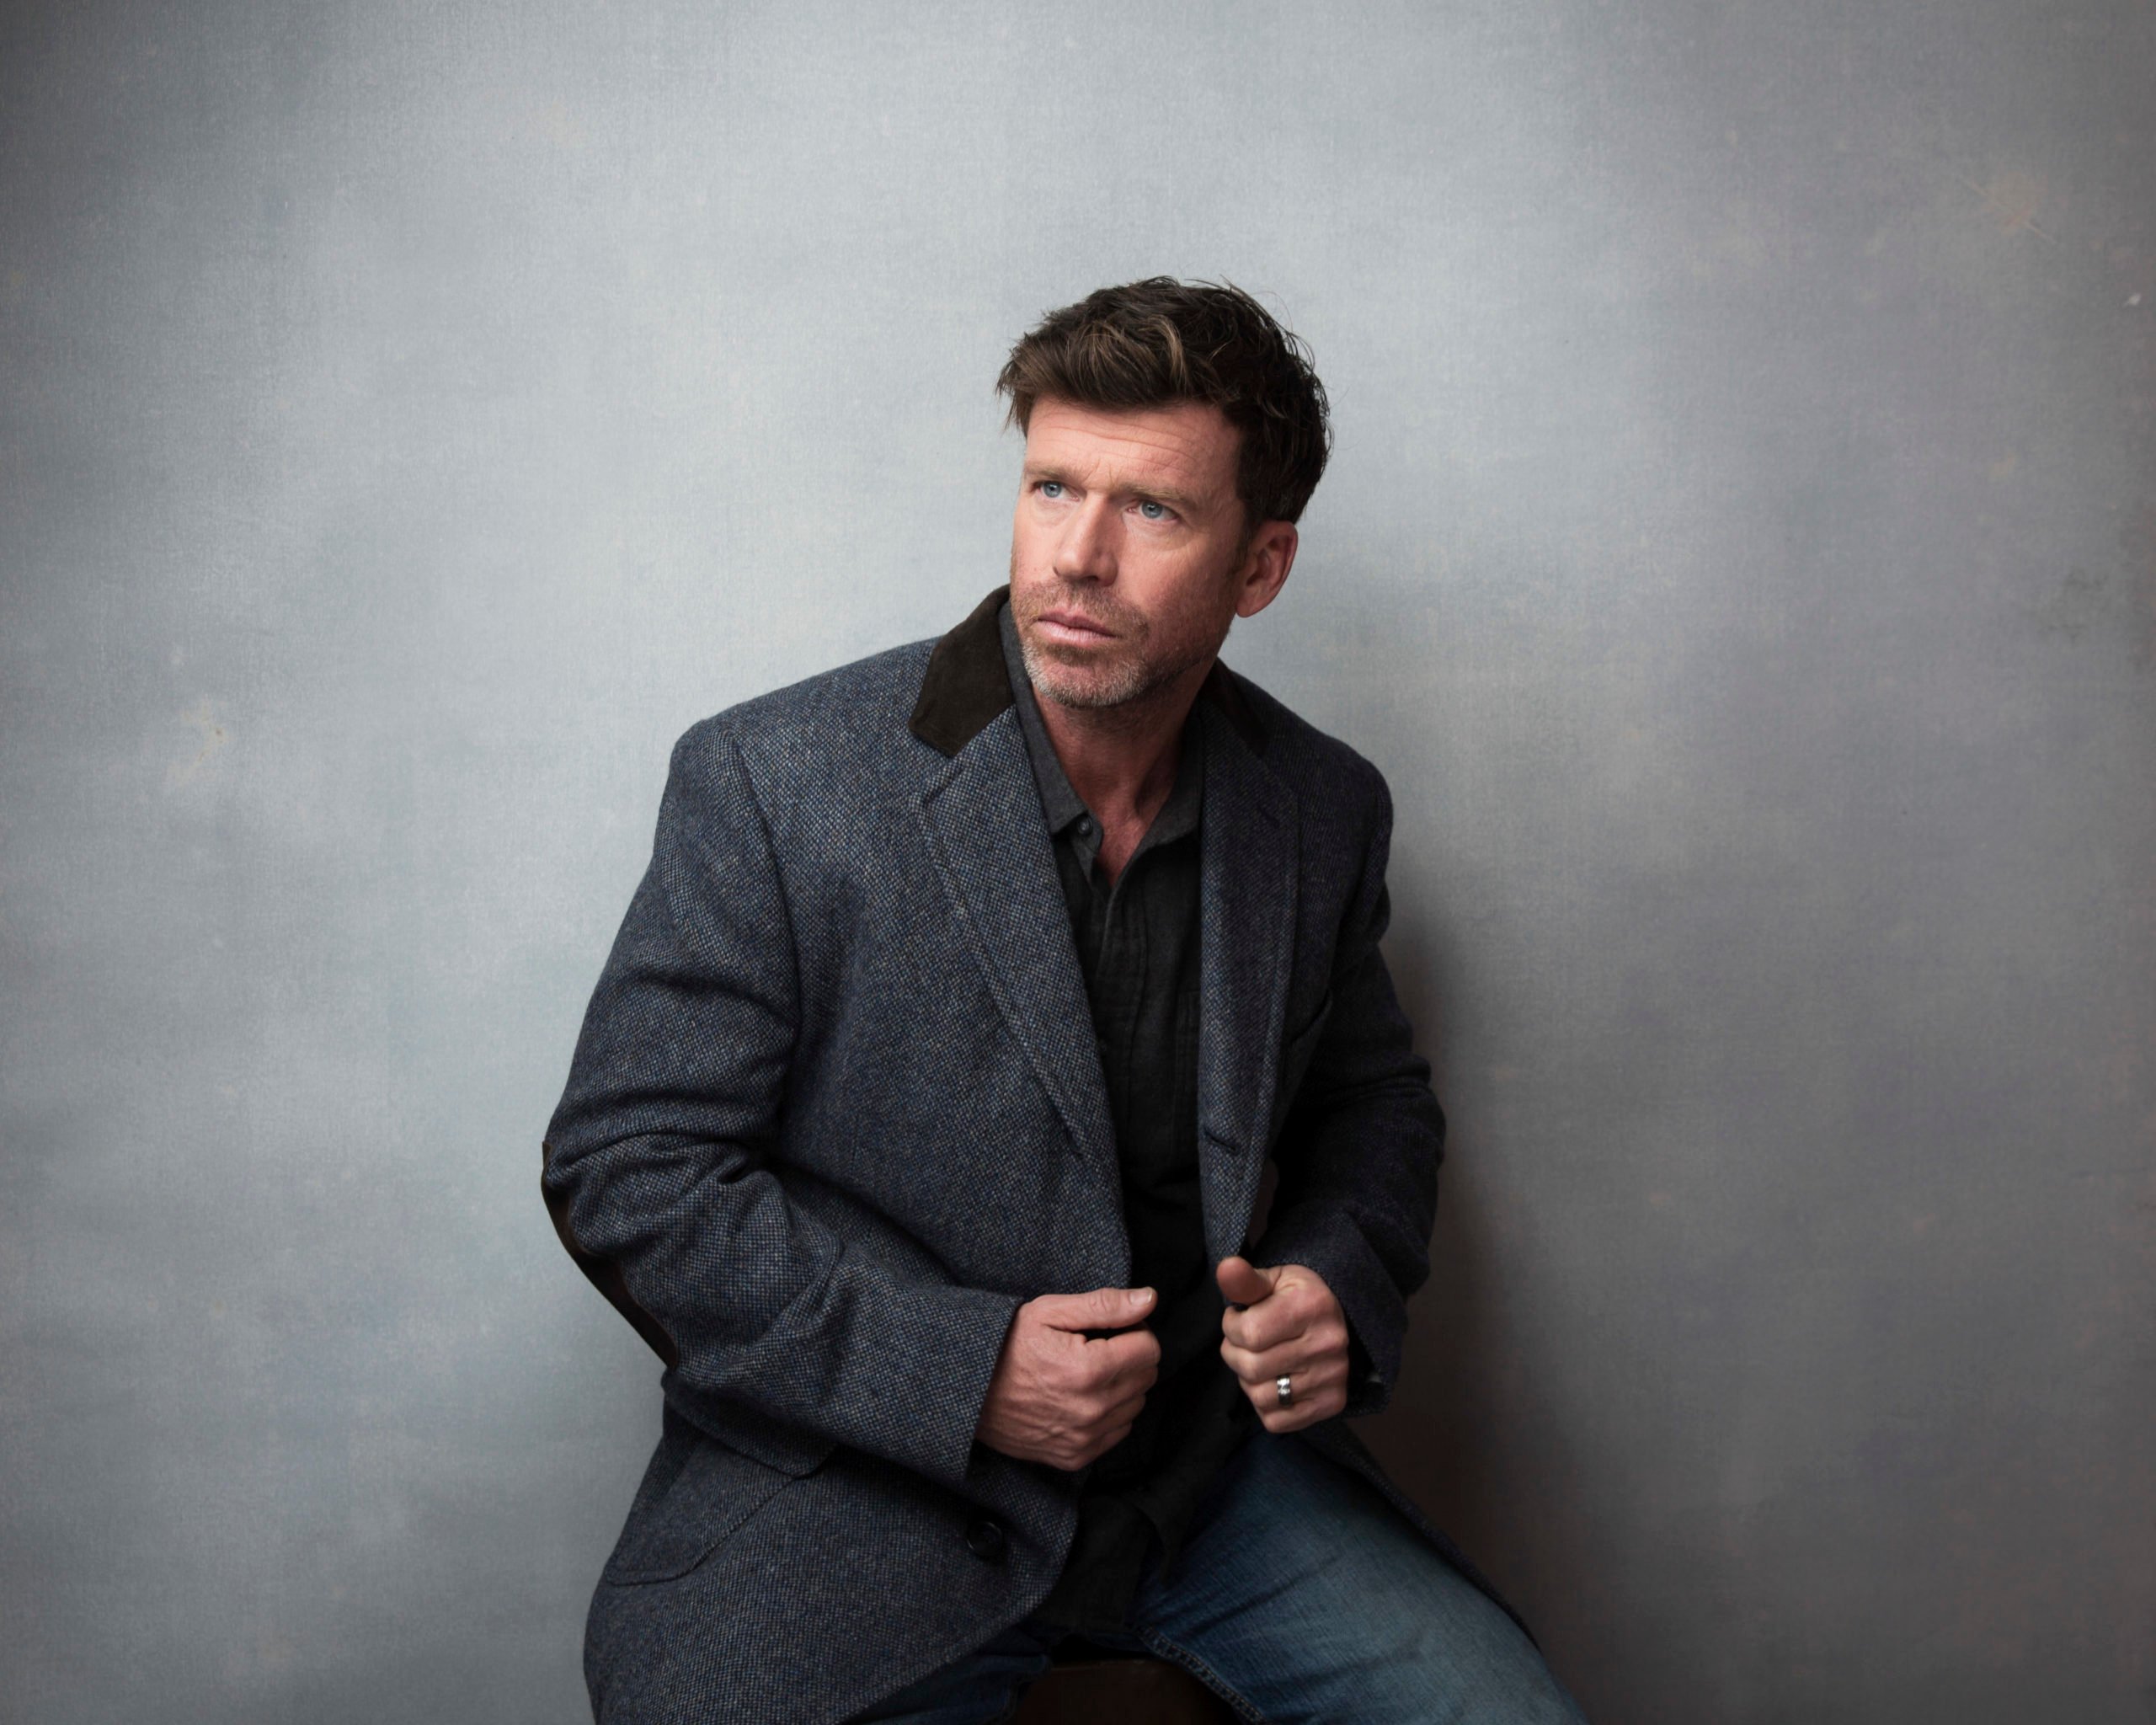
x,y
835,1112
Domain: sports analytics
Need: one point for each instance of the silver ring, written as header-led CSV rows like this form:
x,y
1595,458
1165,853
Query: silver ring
x,y
1285,1387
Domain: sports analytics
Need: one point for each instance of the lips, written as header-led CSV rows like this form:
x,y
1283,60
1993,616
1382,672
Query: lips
x,y
1076,623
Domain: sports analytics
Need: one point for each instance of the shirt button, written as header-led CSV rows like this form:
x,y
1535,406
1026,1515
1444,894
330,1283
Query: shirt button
x,y
985,1540
1084,829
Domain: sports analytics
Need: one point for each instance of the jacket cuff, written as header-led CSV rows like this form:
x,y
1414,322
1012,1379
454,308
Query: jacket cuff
x,y
909,1386
956,1387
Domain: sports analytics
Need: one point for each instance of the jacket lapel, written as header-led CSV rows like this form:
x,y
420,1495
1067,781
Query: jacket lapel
x,y
982,816
982,819
1248,859
992,847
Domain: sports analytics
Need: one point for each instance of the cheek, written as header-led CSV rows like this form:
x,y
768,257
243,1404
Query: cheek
x,y
1196,605
1027,553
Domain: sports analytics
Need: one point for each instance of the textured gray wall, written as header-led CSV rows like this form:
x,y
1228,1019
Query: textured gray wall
x,y
1740,554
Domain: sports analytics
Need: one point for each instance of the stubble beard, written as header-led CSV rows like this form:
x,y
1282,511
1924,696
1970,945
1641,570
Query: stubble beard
x,y
1124,683
1098,688
1117,685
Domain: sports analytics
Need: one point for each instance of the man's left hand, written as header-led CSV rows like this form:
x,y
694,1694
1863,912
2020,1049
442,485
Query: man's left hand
x,y
1290,1327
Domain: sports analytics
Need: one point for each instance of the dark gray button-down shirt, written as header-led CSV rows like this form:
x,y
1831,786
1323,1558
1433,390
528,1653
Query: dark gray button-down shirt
x,y
1137,943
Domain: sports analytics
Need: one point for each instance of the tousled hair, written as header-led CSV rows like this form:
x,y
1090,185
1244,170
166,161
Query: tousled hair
x,y
1154,343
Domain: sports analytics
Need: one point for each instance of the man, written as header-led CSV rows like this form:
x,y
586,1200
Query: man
x,y
918,1120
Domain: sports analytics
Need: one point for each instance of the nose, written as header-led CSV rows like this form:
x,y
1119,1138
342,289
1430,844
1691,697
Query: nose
x,y
1086,550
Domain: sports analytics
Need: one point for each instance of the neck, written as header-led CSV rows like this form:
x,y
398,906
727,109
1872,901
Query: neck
x,y
1120,760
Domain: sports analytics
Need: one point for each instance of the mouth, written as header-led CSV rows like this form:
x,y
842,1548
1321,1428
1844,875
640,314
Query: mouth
x,y
1072,626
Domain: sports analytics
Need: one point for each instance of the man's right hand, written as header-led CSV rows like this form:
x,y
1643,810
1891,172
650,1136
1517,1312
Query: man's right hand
x,y
1059,1398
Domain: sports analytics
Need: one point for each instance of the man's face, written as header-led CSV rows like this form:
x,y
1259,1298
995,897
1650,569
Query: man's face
x,y
1128,558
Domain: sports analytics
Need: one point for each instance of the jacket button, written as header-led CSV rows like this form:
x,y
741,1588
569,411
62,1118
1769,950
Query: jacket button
x,y
985,1540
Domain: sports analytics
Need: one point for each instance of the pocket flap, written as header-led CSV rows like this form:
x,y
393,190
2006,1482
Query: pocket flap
x,y
696,1491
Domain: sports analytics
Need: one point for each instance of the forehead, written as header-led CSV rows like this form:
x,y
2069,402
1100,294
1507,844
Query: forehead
x,y
1189,447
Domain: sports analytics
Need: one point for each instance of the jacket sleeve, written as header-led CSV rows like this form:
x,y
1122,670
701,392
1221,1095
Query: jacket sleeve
x,y
657,1168
1359,1151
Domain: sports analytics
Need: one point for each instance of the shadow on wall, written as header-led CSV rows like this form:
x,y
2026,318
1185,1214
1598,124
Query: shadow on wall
x,y
1469,1434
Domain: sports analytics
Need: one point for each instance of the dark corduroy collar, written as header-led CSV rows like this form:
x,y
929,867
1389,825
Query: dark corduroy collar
x,y
966,685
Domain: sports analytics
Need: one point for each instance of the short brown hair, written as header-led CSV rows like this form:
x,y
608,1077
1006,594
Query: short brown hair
x,y
1154,343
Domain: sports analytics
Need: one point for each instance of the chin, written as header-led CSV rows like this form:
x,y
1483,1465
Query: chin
x,y
1092,687
1069,689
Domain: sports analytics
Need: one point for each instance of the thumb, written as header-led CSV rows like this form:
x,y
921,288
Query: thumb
x,y
1243,1283
1103,1309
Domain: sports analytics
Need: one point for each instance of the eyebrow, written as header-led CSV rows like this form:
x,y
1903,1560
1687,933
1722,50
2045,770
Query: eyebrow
x,y
1189,503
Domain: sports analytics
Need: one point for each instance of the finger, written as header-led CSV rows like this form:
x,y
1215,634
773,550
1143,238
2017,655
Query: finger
x,y
1322,1388
1101,1309
1306,1379
1242,1282
1305,1354
1300,1413
1132,1354
1271,1323
1124,1413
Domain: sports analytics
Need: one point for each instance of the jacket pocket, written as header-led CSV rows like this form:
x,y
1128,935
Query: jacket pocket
x,y
696,1491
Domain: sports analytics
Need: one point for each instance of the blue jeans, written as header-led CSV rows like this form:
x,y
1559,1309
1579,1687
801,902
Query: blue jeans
x,y
1301,1594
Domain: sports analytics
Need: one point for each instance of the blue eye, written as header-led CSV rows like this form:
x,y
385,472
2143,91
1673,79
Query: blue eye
x,y
1154,512
1051,487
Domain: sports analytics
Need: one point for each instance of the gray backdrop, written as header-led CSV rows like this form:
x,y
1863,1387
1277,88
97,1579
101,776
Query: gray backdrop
x,y
1740,553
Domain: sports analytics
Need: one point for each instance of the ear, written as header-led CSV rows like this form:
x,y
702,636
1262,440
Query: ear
x,y
1264,566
